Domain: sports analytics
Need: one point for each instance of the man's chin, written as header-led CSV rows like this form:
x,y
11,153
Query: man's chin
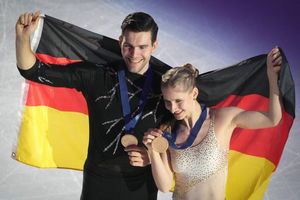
x,y
136,69
133,67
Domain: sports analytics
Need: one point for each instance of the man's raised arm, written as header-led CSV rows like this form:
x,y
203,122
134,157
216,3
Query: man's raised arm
x,y
26,24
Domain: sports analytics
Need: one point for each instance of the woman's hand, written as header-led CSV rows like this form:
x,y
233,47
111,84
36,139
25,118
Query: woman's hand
x,y
149,136
274,61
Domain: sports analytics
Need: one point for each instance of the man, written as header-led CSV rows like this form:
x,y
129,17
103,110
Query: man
x,y
108,173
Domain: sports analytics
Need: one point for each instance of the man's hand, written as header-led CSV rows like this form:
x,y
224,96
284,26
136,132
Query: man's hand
x,y
138,156
27,24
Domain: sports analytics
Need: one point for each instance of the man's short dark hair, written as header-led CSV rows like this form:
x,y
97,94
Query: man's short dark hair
x,y
140,22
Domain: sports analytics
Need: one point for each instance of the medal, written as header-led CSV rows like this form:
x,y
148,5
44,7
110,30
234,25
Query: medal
x,y
131,118
128,140
160,144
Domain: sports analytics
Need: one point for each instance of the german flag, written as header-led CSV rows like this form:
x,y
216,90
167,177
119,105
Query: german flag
x,y
54,127
254,154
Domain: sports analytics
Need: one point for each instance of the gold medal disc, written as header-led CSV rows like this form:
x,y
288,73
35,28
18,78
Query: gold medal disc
x,y
160,144
128,140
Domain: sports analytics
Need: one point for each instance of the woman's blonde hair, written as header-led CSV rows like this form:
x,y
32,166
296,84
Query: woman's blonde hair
x,y
184,76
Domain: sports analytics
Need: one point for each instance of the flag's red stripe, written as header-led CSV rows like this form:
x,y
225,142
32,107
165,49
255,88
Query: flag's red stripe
x,y
54,60
63,99
267,143
248,102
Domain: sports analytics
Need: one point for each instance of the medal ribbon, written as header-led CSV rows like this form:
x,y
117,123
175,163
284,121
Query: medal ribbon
x,y
130,119
171,137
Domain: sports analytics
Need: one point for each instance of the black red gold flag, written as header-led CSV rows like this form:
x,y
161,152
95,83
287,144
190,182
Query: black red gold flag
x,y
54,128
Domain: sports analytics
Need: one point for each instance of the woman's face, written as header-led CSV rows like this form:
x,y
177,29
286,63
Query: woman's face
x,y
179,102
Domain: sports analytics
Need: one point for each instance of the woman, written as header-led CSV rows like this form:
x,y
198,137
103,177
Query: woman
x,y
198,158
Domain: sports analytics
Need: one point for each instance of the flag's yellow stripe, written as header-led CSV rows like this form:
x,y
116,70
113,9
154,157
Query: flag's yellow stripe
x,y
248,176
52,138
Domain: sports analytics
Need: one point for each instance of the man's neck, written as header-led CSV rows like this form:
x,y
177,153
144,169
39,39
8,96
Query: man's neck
x,y
143,70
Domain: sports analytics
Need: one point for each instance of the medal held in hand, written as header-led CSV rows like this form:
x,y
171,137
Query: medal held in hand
x,y
131,119
128,140
161,144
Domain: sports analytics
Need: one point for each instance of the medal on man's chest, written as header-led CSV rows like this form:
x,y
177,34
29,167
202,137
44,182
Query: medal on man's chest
x,y
131,118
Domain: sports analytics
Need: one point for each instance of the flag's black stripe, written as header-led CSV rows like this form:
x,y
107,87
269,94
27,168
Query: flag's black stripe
x,y
246,77
75,43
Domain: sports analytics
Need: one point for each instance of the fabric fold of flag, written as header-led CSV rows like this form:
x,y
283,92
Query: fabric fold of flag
x,y
54,127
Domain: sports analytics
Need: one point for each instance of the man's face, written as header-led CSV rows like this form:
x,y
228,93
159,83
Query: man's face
x,y
136,49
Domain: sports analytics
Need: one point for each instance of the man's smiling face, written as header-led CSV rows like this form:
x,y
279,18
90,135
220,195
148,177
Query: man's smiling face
x,y
136,49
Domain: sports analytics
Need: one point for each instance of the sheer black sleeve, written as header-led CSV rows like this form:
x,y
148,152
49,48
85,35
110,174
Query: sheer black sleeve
x,y
75,75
